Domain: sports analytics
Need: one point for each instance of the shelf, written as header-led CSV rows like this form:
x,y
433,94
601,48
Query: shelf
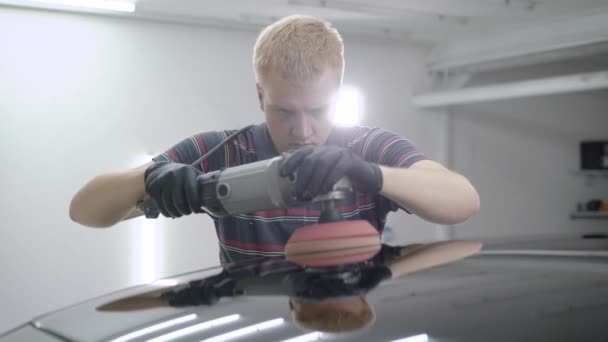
x,y
590,173
589,215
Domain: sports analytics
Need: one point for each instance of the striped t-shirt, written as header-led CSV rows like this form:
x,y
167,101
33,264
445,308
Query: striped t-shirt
x,y
265,233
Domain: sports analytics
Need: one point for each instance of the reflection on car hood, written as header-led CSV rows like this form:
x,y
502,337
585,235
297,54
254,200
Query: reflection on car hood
x,y
492,296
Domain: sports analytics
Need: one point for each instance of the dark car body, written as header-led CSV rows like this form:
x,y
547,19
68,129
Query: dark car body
x,y
550,291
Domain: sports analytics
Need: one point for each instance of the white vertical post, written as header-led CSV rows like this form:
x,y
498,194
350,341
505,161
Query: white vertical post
x,y
146,240
145,250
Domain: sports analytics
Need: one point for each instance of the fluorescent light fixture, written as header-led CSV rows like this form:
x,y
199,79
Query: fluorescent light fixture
x,y
417,338
305,338
146,258
246,331
366,8
535,87
347,107
196,328
155,327
111,5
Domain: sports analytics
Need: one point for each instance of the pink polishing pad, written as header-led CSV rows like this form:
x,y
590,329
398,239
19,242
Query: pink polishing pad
x,y
335,243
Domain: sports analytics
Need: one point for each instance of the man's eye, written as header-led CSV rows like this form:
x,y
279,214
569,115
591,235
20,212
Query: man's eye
x,y
319,113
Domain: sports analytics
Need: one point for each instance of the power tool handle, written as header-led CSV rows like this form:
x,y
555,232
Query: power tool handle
x,y
149,208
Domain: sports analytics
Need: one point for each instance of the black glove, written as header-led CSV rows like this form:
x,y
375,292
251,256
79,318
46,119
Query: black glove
x,y
173,187
371,277
318,169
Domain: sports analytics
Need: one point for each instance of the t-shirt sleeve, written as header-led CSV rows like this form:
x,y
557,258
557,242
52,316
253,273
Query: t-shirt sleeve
x,y
387,148
192,148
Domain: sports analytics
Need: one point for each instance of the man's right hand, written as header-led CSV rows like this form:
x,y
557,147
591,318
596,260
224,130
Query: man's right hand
x,y
173,187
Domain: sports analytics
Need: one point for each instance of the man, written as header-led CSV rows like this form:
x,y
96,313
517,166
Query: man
x,y
299,66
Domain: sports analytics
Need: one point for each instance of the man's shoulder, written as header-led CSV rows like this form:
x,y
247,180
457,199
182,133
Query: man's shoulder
x,y
217,136
213,134
352,130
351,135
242,145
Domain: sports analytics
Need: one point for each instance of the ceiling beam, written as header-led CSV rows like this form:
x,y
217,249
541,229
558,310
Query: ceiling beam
x,y
535,87
561,35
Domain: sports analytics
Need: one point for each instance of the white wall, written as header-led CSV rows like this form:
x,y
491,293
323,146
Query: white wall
x,y
82,95
520,154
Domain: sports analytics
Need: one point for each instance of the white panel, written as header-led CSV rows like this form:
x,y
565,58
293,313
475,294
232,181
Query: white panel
x,y
534,87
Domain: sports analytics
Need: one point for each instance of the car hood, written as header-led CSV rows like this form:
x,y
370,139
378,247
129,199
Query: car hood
x,y
508,292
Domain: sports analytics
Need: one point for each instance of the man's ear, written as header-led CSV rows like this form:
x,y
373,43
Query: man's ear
x,y
260,97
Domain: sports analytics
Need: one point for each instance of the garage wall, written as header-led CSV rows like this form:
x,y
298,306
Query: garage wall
x,y
521,154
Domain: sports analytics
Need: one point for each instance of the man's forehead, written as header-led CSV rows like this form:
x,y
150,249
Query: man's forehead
x,y
311,96
324,80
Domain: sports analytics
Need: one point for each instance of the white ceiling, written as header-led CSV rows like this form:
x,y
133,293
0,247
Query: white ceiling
x,y
460,34
429,22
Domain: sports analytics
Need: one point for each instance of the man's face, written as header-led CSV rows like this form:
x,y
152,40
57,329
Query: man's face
x,y
297,113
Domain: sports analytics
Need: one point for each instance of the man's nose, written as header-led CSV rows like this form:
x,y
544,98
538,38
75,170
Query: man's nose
x,y
301,126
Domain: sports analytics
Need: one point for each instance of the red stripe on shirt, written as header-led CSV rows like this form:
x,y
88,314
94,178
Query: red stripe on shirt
x,y
404,157
312,213
383,146
173,156
203,148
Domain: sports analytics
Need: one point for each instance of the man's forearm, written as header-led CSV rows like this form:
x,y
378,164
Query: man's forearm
x,y
108,199
421,257
437,195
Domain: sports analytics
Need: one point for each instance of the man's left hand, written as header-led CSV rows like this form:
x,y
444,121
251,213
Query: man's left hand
x,y
319,168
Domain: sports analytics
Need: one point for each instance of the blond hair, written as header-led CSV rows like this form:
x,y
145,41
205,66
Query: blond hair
x,y
334,320
298,48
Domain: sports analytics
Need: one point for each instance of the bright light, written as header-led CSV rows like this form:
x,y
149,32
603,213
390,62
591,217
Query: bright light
x,y
417,338
141,159
305,338
246,331
347,108
165,283
196,328
155,327
112,5
145,248
146,236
